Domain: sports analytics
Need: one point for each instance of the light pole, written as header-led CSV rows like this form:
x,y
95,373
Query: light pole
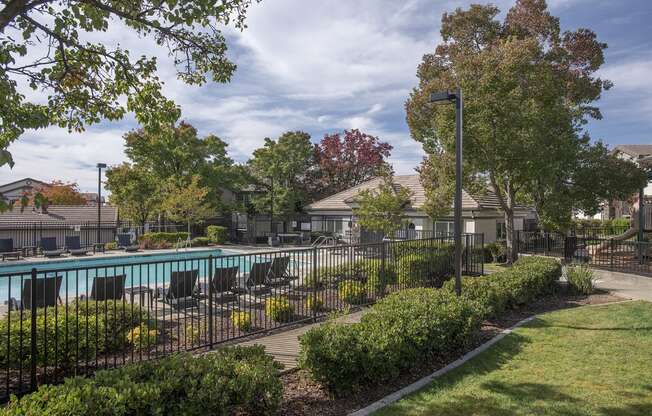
x,y
456,97
100,166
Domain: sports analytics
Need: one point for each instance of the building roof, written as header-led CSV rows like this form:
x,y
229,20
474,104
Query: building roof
x,y
636,151
343,200
74,214
21,183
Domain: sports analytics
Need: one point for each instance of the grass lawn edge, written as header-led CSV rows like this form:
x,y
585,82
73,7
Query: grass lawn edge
x,y
423,382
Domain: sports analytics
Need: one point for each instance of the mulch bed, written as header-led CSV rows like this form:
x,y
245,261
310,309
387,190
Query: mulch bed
x,y
303,396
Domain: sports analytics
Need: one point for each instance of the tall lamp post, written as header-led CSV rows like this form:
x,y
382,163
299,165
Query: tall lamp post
x,y
100,166
443,98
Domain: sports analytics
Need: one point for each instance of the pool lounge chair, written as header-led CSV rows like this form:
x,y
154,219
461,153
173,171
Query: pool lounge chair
x,y
49,247
182,292
73,246
46,293
124,242
256,280
224,285
7,249
108,288
278,272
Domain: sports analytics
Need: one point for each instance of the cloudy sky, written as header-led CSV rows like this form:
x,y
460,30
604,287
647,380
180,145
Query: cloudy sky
x,y
324,66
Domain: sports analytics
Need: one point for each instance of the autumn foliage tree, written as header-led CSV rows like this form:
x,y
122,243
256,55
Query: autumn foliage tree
x,y
346,160
529,90
55,193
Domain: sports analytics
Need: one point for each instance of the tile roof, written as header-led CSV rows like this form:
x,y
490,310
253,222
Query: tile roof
x,y
342,200
59,213
635,150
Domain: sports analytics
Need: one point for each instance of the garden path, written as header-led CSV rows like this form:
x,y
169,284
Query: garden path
x,y
284,346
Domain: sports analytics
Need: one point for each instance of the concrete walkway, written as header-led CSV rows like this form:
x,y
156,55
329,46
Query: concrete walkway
x,y
284,346
626,285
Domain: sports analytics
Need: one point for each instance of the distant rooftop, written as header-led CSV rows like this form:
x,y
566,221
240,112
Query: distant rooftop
x,y
343,200
74,214
636,151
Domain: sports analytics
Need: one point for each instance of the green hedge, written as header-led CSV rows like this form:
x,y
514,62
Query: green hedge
x,y
230,381
200,242
217,234
161,240
88,329
414,325
399,331
368,271
425,269
528,279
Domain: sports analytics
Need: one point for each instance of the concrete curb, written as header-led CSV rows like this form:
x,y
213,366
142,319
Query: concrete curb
x,y
419,384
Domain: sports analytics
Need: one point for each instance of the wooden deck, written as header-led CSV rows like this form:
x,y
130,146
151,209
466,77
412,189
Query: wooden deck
x,y
284,346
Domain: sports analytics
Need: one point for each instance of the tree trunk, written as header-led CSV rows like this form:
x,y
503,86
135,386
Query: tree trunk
x,y
512,247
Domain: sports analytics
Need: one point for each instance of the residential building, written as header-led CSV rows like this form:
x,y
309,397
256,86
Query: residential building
x,y
12,192
480,213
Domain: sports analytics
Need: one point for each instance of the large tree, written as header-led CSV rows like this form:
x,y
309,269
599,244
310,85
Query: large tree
x,y
529,90
135,191
281,167
54,46
177,153
187,203
346,160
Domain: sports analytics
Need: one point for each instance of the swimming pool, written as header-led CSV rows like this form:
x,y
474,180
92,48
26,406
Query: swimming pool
x,y
145,269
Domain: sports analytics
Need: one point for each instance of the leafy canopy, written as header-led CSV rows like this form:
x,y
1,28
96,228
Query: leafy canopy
x,y
529,90
382,209
53,46
135,191
281,167
177,153
186,202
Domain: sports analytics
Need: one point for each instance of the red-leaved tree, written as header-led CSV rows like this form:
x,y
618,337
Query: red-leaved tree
x,y
346,160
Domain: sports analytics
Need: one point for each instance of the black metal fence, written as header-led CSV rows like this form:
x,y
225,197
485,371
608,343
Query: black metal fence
x,y
29,234
75,316
619,255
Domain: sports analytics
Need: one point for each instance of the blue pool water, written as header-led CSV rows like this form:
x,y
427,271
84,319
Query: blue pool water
x,y
139,269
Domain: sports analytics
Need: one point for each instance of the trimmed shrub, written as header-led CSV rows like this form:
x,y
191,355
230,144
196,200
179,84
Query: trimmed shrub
x,y
529,278
490,300
497,251
232,380
426,269
365,270
399,332
217,234
580,279
88,329
241,320
279,309
161,240
314,303
353,292
200,242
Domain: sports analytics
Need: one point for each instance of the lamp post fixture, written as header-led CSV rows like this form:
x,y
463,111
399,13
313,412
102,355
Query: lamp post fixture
x,y
443,98
100,166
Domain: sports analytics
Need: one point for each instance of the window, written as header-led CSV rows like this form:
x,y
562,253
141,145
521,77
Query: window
x,y
444,227
501,231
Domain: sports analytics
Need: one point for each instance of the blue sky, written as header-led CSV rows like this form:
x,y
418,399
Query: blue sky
x,y
325,66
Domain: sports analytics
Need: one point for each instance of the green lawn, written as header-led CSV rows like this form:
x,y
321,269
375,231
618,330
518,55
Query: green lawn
x,y
585,361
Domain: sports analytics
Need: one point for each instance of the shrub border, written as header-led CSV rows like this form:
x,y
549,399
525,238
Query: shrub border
x,y
423,382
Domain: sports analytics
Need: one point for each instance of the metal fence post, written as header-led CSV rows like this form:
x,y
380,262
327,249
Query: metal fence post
x,y
611,253
467,252
315,284
382,268
209,274
33,351
482,248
